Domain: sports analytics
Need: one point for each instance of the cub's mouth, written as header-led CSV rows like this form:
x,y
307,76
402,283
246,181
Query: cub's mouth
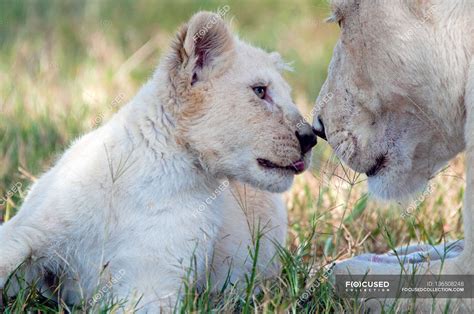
x,y
297,166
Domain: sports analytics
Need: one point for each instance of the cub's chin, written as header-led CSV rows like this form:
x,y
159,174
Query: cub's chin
x,y
275,181
278,185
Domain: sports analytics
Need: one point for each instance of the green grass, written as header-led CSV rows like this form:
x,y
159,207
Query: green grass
x,y
62,63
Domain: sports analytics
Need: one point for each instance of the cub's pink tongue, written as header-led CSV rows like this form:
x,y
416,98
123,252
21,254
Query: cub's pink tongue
x,y
299,166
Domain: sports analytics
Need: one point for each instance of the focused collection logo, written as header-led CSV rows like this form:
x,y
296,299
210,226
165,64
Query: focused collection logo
x,y
405,286
370,286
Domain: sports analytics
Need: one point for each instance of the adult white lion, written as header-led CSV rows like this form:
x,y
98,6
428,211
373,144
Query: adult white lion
x,y
402,76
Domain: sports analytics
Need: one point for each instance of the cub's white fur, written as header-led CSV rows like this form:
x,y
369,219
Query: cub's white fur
x,y
402,77
132,202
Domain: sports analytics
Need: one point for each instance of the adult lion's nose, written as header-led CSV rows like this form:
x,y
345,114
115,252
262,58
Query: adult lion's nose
x,y
319,130
307,141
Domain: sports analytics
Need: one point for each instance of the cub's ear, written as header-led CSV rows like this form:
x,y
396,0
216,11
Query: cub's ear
x,y
204,46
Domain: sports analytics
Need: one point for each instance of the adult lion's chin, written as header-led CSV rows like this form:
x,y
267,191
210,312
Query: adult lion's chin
x,y
394,185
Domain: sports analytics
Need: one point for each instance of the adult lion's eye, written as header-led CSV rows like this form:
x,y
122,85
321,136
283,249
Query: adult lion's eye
x,y
260,91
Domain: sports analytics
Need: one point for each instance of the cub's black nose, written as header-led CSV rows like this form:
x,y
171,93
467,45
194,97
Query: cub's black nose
x,y
307,141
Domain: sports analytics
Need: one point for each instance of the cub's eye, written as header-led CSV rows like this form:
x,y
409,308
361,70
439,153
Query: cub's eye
x,y
260,91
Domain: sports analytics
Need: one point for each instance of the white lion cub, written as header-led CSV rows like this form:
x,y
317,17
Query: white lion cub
x,y
159,189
